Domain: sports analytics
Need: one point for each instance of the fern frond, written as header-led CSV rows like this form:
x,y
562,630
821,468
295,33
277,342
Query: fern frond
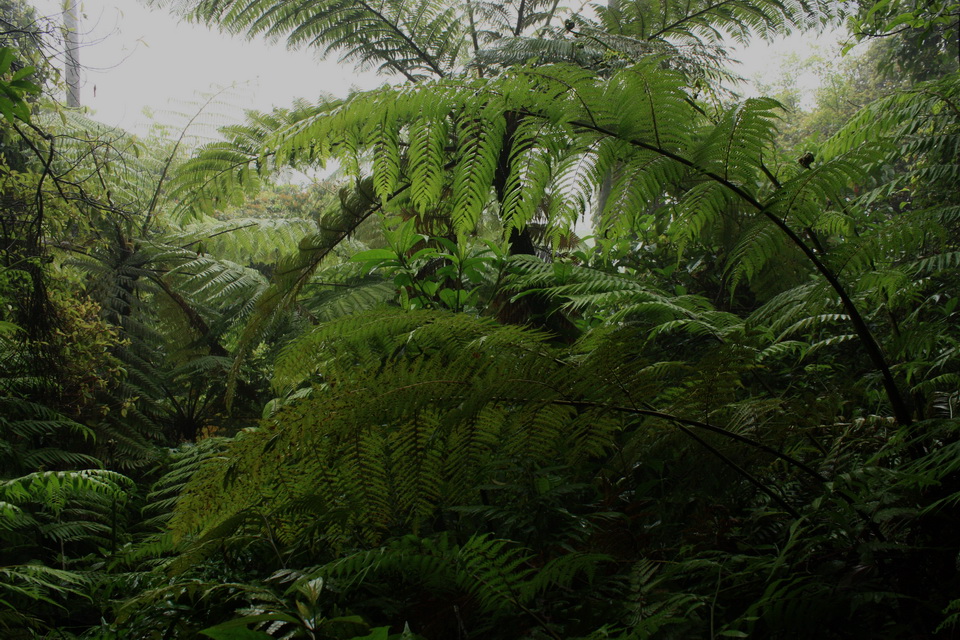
x,y
480,143
899,116
225,172
734,148
384,463
51,487
707,21
414,40
295,271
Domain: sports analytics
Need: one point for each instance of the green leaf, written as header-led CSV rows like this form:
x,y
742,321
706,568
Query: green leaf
x,y
6,59
7,328
373,255
425,253
6,108
449,297
380,633
22,73
878,6
449,245
25,86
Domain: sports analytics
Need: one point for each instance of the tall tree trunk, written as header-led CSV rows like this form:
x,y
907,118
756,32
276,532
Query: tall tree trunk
x,y
71,42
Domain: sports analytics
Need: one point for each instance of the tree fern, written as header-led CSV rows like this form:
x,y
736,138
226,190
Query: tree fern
x,y
707,21
395,394
46,519
706,172
480,143
659,159
616,298
408,443
394,38
294,272
28,432
193,299
244,240
495,574
24,585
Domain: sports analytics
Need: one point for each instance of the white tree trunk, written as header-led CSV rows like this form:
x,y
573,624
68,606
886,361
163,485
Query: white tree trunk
x,y
71,41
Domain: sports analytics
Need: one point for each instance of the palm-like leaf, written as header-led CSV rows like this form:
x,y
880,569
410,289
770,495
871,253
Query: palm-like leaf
x,y
414,40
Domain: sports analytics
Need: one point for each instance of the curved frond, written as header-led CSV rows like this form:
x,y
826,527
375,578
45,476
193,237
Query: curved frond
x,y
413,39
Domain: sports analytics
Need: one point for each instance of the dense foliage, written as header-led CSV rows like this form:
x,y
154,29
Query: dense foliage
x,y
582,344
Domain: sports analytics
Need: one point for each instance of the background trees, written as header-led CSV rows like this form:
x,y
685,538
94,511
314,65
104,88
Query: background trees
x,y
427,405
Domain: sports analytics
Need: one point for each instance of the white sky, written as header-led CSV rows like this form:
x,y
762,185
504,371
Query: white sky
x,y
137,58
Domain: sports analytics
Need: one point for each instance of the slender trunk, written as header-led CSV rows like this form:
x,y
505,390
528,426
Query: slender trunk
x,y
521,242
473,35
532,309
71,43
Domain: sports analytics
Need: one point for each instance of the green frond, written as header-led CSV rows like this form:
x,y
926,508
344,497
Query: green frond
x,y
416,40
512,52
832,223
701,210
784,348
295,271
735,146
497,573
900,116
832,340
811,322
384,461
716,324
36,582
218,282
336,293
617,297
563,570
708,21
244,240
226,171
428,138
53,487
361,341
791,306
940,388
801,200
643,104
480,139
882,247
493,571
219,176
386,158
185,461
531,169
759,245
25,424
937,263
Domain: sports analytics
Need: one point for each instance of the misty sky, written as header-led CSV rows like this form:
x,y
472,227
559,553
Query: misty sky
x,y
135,57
